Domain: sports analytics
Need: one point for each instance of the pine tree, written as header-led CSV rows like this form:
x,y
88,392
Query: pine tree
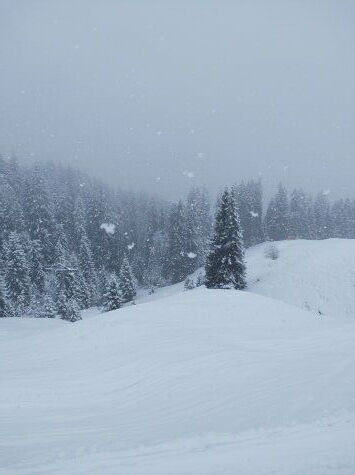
x,y
153,272
48,309
37,274
86,264
322,216
81,292
178,264
6,309
198,227
39,212
17,273
79,222
298,220
61,303
72,312
225,266
126,283
248,197
11,215
112,296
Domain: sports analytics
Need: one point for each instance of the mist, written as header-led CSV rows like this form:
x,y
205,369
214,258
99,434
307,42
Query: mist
x,y
159,96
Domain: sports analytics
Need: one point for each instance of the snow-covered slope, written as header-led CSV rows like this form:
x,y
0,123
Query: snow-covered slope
x,y
314,275
199,382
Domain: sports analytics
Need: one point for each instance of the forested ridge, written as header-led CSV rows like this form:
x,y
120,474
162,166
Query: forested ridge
x,y
67,240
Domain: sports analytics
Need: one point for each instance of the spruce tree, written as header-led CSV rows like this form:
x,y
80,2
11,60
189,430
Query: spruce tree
x,y
298,220
322,216
72,312
225,266
61,303
6,309
178,264
39,213
248,197
112,295
86,264
48,309
81,292
37,273
126,283
17,273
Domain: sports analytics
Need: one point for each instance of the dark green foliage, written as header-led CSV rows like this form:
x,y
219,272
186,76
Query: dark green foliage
x,y
225,266
126,282
48,308
72,312
17,273
6,309
38,212
63,250
181,245
37,273
112,296
299,226
86,264
277,217
248,197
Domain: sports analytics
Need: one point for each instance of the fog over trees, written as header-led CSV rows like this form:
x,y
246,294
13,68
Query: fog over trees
x,y
69,242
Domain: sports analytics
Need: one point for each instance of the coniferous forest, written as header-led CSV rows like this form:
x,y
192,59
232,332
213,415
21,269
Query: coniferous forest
x,y
69,242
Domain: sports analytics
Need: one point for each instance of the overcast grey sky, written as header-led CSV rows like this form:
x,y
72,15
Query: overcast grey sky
x,y
159,95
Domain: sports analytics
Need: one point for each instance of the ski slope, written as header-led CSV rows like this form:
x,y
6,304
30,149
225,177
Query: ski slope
x,y
196,382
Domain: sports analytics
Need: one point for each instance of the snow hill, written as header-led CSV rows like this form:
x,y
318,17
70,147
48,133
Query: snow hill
x,y
195,382
313,275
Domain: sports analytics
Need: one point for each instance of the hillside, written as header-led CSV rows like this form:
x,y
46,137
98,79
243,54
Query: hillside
x,y
313,275
196,382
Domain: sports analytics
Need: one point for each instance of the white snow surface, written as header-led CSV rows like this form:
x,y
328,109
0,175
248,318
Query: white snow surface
x,y
313,275
192,382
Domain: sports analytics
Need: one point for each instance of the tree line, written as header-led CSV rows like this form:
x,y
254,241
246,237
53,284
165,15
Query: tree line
x,y
68,242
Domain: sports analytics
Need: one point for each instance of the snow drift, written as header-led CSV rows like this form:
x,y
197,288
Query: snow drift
x,y
198,382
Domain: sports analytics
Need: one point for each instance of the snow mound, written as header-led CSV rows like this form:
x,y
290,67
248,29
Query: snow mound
x,y
205,381
313,275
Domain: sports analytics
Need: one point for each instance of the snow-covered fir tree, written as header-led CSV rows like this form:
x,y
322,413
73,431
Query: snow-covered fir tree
x,y
6,309
277,216
112,296
322,222
17,276
225,267
126,282
299,227
181,246
86,264
72,311
73,231
248,197
48,308
37,272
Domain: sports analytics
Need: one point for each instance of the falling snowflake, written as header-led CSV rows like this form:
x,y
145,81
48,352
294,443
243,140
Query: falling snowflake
x,y
130,246
188,174
108,227
326,192
191,255
254,215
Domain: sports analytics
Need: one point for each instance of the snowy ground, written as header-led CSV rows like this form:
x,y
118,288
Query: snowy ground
x,y
196,382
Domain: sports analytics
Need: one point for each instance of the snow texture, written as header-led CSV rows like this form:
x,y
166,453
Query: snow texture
x,y
198,382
